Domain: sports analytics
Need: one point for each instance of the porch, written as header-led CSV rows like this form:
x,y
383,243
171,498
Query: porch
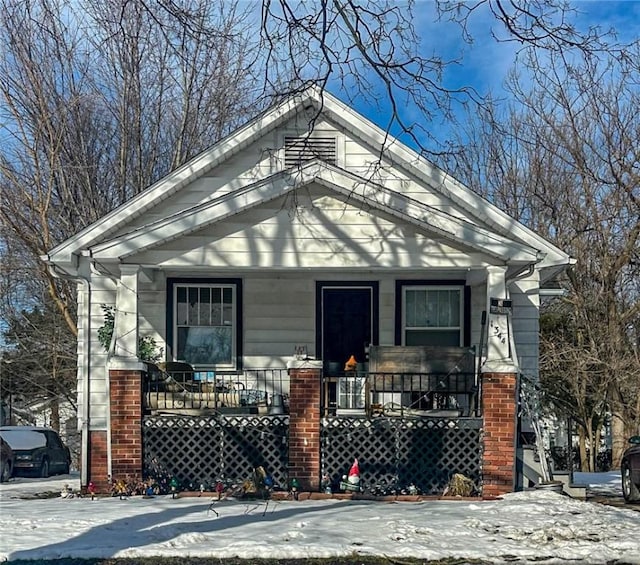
x,y
411,430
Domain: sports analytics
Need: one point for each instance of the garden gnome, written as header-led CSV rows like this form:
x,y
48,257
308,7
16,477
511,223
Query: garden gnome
x,y
354,475
325,484
91,489
351,364
173,483
295,488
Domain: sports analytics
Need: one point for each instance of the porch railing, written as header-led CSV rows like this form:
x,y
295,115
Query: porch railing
x,y
402,394
179,388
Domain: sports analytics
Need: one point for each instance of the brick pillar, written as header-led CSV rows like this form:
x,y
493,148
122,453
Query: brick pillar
x,y
499,414
304,427
98,472
125,388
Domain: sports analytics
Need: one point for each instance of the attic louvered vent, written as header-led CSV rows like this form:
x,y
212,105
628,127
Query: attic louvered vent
x,y
297,150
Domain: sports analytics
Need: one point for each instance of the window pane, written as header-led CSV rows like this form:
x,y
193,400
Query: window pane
x,y
192,318
448,308
205,345
431,309
454,304
181,306
410,308
204,315
417,311
216,314
227,307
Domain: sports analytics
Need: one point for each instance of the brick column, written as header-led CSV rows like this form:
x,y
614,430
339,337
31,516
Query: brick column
x,y
125,387
304,426
499,414
98,472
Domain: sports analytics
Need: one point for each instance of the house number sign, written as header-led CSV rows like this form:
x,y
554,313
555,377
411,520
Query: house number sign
x,y
500,306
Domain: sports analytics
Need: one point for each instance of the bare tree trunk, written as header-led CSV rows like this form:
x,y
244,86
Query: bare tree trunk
x,y
55,414
582,450
619,439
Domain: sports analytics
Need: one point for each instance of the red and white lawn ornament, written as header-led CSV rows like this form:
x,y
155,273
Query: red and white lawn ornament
x,y
351,483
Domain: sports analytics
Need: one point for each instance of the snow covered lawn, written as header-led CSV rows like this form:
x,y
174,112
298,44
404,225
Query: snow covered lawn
x,y
526,527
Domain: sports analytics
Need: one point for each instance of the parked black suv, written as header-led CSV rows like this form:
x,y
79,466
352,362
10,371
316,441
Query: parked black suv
x,y
37,451
6,461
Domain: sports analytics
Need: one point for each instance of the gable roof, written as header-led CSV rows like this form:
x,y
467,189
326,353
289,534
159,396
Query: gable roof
x,y
516,242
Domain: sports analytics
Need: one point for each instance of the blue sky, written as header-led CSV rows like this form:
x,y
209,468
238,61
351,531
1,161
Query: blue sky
x,y
484,64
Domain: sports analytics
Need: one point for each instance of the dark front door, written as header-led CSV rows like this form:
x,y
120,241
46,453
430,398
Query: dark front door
x,y
348,324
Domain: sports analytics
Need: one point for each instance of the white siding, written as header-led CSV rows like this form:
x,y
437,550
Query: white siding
x,y
281,248
102,293
525,322
310,228
280,311
266,156
243,169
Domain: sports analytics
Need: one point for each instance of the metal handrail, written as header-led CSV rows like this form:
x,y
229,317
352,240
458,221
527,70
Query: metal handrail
x,y
398,393
259,391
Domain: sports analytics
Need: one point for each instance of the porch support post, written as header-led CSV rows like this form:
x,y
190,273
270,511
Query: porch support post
x,y
125,396
498,330
499,414
304,423
499,394
126,314
97,461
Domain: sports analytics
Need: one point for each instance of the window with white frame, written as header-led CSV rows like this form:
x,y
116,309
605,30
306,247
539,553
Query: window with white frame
x,y
432,315
205,324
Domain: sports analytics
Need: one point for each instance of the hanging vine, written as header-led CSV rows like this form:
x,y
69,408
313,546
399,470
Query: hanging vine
x,y
148,349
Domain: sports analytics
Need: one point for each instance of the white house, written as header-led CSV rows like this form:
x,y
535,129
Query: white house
x,y
284,237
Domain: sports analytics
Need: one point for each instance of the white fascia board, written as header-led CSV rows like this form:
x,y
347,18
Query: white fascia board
x,y
183,175
417,166
454,229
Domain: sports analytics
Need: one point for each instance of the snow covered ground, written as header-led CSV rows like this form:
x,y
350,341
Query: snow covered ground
x,y
526,527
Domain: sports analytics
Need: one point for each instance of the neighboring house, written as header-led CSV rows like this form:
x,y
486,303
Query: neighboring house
x,y
281,240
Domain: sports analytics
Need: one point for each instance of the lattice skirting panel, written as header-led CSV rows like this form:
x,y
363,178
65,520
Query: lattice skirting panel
x,y
202,450
394,453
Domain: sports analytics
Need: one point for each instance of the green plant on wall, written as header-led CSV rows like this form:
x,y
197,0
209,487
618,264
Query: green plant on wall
x,y
148,350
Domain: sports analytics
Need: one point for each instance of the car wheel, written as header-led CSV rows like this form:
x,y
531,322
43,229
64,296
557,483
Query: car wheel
x,y
44,469
5,475
630,490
